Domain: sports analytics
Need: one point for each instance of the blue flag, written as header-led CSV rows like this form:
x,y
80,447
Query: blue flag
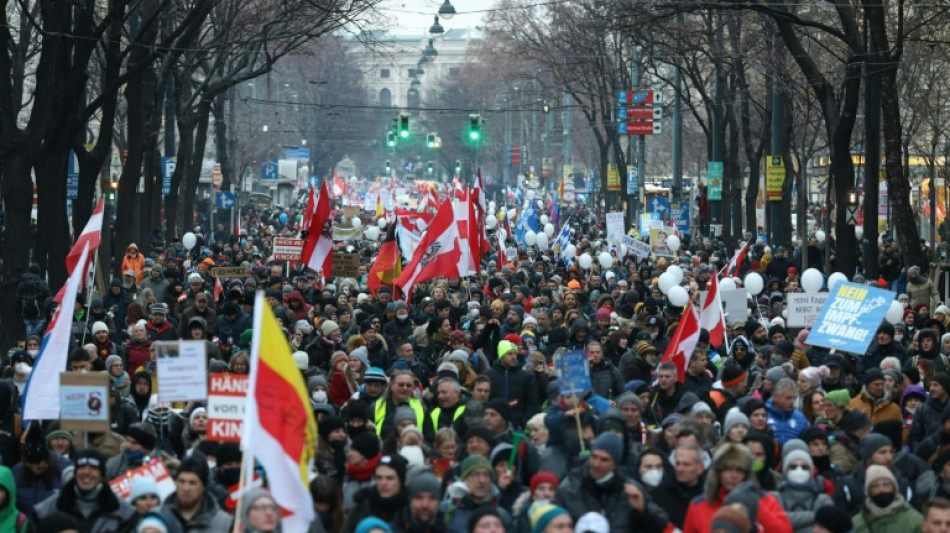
x,y
527,221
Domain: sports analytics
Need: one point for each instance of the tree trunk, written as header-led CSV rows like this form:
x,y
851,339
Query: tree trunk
x,y
173,213
17,241
194,165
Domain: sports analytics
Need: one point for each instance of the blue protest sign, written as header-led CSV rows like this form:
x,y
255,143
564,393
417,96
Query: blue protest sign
x,y
679,216
850,317
573,372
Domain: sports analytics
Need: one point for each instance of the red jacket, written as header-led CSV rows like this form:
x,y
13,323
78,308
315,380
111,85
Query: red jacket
x,y
771,516
339,389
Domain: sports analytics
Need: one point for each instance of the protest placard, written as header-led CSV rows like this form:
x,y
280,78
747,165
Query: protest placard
x,y
636,247
346,265
229,272
803,308
155,469
227,394
850,318
286,249
614,223
84,401
573,372
182,368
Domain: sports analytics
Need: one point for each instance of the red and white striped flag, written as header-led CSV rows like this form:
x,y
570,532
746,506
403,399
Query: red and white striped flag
x,y
711,316
684,341
734,265
438,254
317,252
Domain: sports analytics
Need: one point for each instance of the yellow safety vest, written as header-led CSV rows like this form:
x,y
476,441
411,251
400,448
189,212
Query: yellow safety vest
x,y
437,412
416,405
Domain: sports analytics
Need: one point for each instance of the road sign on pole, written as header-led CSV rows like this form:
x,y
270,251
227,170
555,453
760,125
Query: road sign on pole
x,y
217,177
225,200
643,127
168,169
269,170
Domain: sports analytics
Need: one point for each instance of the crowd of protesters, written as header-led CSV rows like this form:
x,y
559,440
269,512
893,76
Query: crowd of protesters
x,y
442,411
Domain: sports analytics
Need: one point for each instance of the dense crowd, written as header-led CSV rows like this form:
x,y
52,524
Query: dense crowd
x,y
442,411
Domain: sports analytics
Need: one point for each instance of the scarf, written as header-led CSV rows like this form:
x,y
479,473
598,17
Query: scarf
x,y
363,472
884,511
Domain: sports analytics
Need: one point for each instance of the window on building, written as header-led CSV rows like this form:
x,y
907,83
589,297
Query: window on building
x,y
455,72
384,73
385,98
413,99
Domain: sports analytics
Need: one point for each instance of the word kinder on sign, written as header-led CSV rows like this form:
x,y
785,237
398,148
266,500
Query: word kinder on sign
x,y
227,394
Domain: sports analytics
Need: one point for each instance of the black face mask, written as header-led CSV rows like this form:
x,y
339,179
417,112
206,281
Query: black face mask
x,y
230,476
883,499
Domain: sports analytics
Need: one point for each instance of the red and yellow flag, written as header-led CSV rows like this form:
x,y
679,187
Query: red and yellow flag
x,y
279,427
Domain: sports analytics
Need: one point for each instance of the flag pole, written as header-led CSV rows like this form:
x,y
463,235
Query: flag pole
x,y
242,485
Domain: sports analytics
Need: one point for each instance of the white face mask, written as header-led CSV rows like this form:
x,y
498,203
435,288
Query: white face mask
x,y
33,353
401,316
319,396
653,334
798,476
652,478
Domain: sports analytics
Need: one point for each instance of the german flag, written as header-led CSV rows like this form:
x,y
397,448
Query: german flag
x,y
388,264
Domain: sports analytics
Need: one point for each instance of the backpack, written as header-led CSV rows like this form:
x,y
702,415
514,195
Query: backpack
x,y
943,357
30,299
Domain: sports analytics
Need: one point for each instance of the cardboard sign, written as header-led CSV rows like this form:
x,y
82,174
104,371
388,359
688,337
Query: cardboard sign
x,y
636,247
351,211
229,272
287,249
155,469
227,395
84,401
803,308
734,303
850,318
614,223
182,371
658,238
573,372
346,265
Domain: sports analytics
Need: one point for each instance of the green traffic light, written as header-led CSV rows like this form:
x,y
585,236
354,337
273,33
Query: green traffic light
x,y
404,134
474,135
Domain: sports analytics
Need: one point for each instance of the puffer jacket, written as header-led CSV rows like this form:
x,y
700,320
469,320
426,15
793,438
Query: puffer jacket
x,y
800,503
785,426
579,494
926,421
606,379
518,387
878,410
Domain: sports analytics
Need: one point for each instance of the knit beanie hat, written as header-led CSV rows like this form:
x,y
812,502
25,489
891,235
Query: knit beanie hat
x,y
112,359
362,354
425,483
840,397
98,326
197,465
775,373
367,444
374,374
397,463
733,417
629,397
505,347
943,379
831,518
368,524
144,434
500,406
610,443
90,457
853,421
329,424
403,413
328,327
797,455
473,463
482,512
747,495
592,522
871,443
543,477
143,486
814,374
732,374
543,516
872,375
877,473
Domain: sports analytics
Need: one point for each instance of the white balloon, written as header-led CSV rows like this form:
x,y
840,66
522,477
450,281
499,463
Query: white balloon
x,y
623,250
503,233
357,223
189,240
667,281
727,283
544,219
372,233
548,229
585,261
754,282
678,296
491,210
673,243
812,280
381,222
835,279
491,221
677,273
570,251
820,235
859,231
606,260
895,312
530,238
542,239
492,204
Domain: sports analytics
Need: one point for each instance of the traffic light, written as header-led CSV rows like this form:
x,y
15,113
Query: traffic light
x,y
430,168
474,127
113,187
391,139
458,168
430,140
403,125
389,167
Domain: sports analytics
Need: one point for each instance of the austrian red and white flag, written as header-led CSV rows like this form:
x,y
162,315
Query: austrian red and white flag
x,y
339,186
711,316
90,235
457,190
684,341
317,250
438,254
218,289
502,255
309,210
469,236
734,265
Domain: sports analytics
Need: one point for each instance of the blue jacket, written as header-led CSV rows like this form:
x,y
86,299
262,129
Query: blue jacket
x,y
785,426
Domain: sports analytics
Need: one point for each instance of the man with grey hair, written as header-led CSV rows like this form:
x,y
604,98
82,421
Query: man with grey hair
x,y
787,423
675,493
450,408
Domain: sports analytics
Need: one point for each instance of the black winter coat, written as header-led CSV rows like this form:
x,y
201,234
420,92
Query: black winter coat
x,y
519,388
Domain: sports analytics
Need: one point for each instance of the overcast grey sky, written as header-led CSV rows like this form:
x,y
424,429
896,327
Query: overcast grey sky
x,y
415,16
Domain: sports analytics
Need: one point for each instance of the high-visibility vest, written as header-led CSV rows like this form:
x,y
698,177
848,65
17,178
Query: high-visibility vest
x,y
437,412
380,414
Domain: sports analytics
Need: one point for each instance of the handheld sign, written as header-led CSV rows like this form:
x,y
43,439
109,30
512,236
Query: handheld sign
x,y
84,400
227,395
573,372
182,371
850,318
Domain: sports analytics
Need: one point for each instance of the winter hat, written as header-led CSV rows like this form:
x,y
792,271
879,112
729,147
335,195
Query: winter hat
x,y
317,381
500,406
840,397
886,328
775,373
877,473
785,348
301,360
871,443
481,432
543,516
397,463
367,444
328,327
629,397
518,309
459,355
732,375
644,347
872,375
813,433
368,524
447,370
687,401
144,434
197,465
328,425
543,477
504,347
733,456
482,512
473,463
362,354
831,518
60,434
112,359
403,413
893,429
425,483
792,445
529,320
143,486
57,522
592,523
98,326
733,417
374,374
610,443
747,495
700,408
853,421
814,375
90,457
797,455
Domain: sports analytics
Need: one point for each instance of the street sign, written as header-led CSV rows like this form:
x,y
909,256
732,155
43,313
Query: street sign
x,y
217,177
642,127
679,216
714,172
168,169
72,177
633,185
852,216
774,177
269,170
640,97
300,154
225,200
640,113
286,249
660,206
613,177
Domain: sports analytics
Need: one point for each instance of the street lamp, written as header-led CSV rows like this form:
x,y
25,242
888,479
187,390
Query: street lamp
x,y
436,30
430,52
447,10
